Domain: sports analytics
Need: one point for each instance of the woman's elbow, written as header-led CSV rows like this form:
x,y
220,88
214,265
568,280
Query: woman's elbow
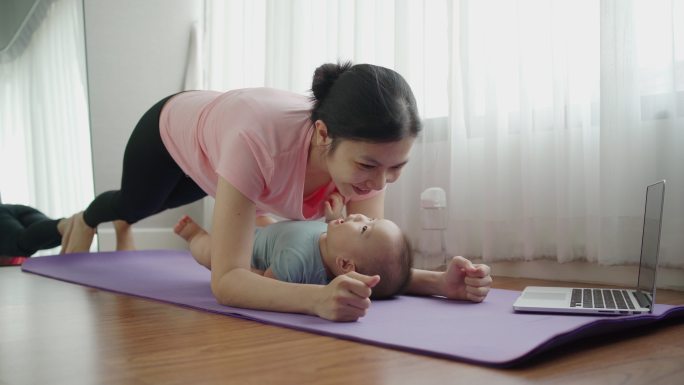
x,y
225,293
224,296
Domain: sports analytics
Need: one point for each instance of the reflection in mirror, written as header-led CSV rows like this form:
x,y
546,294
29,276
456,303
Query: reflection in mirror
x,y
45,157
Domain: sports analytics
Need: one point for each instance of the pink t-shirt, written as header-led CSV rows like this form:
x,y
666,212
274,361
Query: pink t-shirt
x,y
257,139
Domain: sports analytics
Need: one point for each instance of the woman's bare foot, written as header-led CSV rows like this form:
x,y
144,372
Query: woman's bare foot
x,y
64,227
188,229
124,236
77,236
64,224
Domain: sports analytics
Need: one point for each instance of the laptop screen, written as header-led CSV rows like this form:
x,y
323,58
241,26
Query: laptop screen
x,y
650,239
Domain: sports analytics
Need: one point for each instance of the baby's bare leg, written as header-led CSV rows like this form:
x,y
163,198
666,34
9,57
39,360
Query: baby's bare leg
x,y
198,240
264,220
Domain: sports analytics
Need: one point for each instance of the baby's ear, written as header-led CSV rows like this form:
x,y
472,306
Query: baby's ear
x,y
345,265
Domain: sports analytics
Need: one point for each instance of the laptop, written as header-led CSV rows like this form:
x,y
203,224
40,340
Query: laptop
x,y
608,301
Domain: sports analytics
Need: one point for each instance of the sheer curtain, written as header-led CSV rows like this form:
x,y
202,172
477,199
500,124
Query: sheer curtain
x,y
642,120
561,114
524,125
45,158
544,120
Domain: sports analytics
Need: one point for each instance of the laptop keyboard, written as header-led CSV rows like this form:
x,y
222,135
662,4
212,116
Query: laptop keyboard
x,y
601,299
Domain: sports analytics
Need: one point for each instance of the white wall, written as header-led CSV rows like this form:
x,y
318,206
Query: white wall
x,y
136,55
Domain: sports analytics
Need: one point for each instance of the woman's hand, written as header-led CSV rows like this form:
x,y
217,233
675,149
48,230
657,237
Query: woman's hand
x,y
465,280
347,297
334,207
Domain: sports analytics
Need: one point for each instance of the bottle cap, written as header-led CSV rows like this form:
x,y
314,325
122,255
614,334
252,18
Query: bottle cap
x,y
433,197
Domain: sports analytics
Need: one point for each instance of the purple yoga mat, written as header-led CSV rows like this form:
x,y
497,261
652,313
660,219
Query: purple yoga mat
x,y
489,333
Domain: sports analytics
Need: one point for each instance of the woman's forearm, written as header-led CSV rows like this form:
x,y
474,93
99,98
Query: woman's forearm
x,y
242,288
346,298
232,282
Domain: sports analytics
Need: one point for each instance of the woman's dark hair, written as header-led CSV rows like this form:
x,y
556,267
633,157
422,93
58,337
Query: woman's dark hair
x,y
364,102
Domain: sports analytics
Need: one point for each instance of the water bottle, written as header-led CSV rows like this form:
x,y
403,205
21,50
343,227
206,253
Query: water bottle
x,y
433,221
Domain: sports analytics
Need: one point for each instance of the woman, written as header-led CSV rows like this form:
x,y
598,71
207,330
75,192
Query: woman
x,y
262,151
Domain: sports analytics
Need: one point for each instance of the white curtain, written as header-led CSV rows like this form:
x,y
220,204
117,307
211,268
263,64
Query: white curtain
x,y
544,120
45,158
524,125
642,122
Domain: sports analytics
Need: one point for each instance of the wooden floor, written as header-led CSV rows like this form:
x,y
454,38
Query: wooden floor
x,y
53,332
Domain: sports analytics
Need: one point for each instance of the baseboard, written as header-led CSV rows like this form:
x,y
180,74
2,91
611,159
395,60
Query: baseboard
x,y
145,239
585,272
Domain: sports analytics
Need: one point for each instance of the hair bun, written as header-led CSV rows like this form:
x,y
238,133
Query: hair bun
x,y
325,76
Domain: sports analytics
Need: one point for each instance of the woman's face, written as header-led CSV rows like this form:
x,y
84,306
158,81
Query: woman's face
x,y
357,167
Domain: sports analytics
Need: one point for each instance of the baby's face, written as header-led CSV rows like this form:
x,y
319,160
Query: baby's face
x,y
363,238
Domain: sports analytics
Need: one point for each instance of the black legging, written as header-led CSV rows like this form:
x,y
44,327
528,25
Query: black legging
x,y
151,181
25,230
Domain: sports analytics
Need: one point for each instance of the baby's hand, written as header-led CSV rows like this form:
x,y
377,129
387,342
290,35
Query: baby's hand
x,y
334,207
465,280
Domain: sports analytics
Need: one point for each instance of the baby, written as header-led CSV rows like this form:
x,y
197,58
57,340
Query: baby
x,y
316,252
